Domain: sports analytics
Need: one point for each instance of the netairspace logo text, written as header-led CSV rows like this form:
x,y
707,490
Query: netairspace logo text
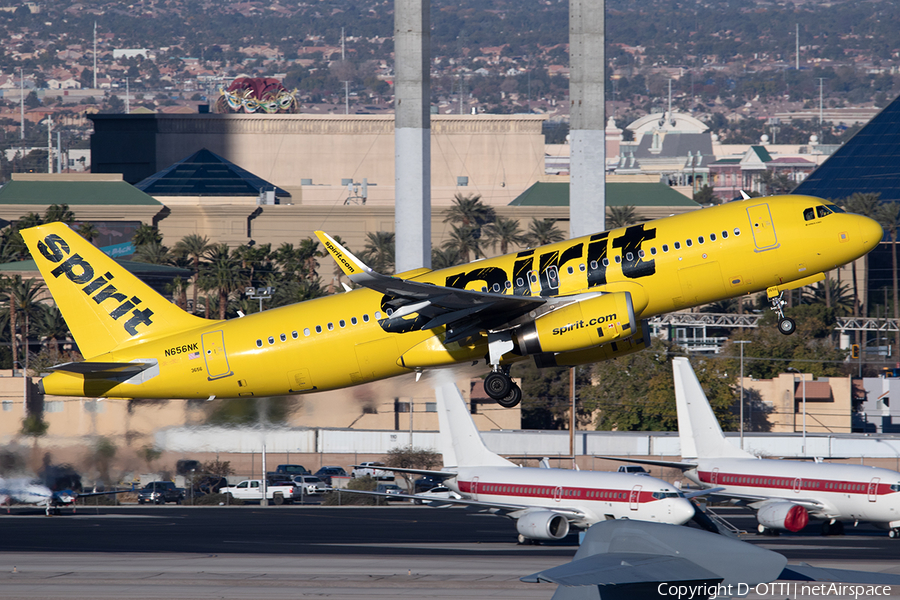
x,y
698,592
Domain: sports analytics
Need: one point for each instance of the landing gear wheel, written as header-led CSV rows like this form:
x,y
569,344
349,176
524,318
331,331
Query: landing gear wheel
x,y
497,385
787,326
826,528
894,533
763,530
515,396
524,541
837,528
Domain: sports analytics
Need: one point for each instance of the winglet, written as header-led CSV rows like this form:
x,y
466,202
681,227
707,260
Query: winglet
x,y
348,263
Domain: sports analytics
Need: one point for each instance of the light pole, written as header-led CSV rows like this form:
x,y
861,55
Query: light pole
x,y
741,382
262,293
803,379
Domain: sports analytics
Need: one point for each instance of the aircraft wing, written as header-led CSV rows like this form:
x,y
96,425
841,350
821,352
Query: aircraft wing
x,y
623,568
684,466
464,312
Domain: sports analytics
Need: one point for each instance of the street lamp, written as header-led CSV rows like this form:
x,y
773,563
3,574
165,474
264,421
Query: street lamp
x,y
803,379
261,293
741,381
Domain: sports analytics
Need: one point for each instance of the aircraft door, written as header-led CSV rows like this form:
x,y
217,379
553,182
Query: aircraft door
x,y
557,493
634,497
763,229
213,345
474,488
714,477
873,489
797,484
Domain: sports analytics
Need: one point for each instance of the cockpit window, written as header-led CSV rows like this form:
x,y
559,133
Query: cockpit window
x,y
895,487
835,208
822,211
809,214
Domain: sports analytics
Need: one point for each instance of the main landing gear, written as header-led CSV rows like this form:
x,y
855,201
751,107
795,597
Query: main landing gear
x,y
832,527
894,533
786,325
498,384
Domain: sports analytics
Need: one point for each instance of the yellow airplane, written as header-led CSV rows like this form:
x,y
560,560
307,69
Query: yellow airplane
x,y
568,303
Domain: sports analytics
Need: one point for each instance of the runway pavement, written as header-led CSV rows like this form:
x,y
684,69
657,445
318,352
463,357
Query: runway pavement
x,y
317,552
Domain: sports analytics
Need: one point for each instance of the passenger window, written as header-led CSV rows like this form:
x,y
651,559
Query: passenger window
x,y
641,253
629,256
677,245
605,262
507,284
809,214
712,237
700,240
353,321
552,277
618,259
259,343
532,277
594,265
665,247
366,318
582,268
737,231
689,242
318,329
570,271
331,327
271,340
484,288
724,235
390,312
377,315
495,287
295,335
283,337
306,331
520,282
822,211
653,250
342,323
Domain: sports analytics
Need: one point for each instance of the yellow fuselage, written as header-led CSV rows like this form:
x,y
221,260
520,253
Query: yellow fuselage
x,y
337,341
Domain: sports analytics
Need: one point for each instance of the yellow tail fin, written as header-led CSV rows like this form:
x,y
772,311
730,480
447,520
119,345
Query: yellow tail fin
x,y
103,304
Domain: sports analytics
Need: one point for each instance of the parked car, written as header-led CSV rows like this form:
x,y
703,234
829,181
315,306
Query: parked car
x,y
423,484
160,492
326,473
290,470
436,493
633,469
392,489
372,469
310,484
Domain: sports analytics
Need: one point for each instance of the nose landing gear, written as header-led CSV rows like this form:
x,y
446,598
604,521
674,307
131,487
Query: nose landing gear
x,y
786,325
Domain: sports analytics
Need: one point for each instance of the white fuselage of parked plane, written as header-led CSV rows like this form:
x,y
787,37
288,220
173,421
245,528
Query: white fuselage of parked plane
x,y
24,491
598,495
848,492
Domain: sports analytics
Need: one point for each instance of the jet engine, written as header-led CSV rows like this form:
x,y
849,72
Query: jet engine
x,y
620,347
582,324
543,525
783,515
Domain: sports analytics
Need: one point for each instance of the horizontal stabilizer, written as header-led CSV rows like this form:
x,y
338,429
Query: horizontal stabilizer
x,y
669,464
424,472
102,370
805,572
623,568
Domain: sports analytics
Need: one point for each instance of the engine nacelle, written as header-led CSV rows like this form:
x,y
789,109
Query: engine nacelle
x,y
639,341
783,515
543,525
579,325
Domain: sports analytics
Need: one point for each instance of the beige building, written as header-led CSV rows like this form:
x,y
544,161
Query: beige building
x,y
828,405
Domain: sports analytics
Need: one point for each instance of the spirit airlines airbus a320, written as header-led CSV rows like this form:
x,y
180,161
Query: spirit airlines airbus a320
x,y
568,303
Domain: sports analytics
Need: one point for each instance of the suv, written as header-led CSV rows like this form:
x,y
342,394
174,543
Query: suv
x,y
160,492
372,469
392,489
326,473
632,469
310,484
291,470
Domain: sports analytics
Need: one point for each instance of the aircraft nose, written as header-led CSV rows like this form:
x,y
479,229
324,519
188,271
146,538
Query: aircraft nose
x,y
682,512
870,232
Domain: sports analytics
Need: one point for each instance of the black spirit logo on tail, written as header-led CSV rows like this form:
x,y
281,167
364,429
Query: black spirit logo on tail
x,y
79,271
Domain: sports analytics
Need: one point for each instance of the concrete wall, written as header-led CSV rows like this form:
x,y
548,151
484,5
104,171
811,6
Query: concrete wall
x,y
832,415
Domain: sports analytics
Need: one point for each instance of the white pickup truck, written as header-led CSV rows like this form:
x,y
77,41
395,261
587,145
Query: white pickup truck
x,y
251,490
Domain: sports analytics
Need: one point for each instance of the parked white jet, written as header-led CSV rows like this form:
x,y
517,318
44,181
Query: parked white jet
x,y
784,493
544,502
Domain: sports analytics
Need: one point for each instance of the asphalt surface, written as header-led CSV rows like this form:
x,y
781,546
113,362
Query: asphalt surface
x,y
173,552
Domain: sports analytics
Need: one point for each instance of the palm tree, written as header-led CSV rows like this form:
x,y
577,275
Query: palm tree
x,y
378,252
465,239
287,259
52,327
543,231
504,231
222,273
469,210
307,253
152,253
25,295
888,216
88,231
193,246
442,259
9,297
621,216
146,234
59,212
